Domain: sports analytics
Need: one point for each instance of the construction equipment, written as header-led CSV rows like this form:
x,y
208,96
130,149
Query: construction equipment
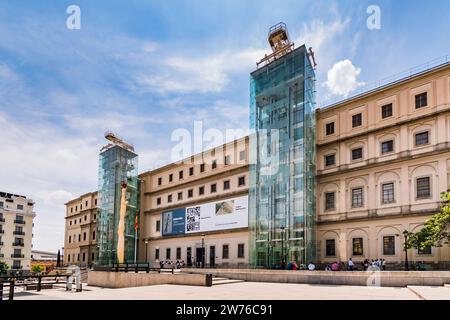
x,y
279,41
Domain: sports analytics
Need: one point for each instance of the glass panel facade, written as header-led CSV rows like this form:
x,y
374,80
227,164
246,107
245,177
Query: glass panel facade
x,y
117,166
282,162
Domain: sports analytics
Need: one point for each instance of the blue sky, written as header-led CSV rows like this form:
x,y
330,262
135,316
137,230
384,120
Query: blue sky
x,y
145,68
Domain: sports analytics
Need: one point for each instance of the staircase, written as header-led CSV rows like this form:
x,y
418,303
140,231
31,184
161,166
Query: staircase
x,y
218,281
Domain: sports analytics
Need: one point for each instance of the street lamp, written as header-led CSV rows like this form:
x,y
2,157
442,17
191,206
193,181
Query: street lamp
x,y
405,234
203,250
283,231
146,250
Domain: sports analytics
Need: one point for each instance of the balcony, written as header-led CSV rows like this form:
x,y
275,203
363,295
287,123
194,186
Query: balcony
x,y
16,267
19,221
19,233
17,255
18,244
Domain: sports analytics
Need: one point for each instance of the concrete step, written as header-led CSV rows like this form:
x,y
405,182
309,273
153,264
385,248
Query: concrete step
x,y
447,285
218,279
225,281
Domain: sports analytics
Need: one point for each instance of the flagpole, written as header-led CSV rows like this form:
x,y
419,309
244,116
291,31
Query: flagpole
x,y
135,245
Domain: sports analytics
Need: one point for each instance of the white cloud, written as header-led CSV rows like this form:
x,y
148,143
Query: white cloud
x,y
57,196
186,74
342,78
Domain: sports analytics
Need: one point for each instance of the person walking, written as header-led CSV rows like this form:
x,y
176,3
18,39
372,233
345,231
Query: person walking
x,y
383,264
350,264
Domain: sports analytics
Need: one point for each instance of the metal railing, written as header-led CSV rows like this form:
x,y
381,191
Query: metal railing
x,y
401,76
19,233
18,244
30,282
17,255
19,221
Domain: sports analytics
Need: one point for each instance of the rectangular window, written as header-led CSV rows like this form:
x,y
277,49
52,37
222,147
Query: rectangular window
x,y
191,171
421,138
330,248
178,254
159,181
1,205
214,164
190,193
95,202
388,245
158,225
202,167
213,187
387,190
357,154
158,201
423,189
85,218
356,120
70,239
329,128
329,200
241,181
180,195
225,251
357,198
156,254
84,256
226,185
169,198
330,160
180,175
93,235
387,146
424,251
170,177
240,250
357,246
168,253
227,160
86,204
19,207
84,236
242,155
386,111
421,100
201,190
79,237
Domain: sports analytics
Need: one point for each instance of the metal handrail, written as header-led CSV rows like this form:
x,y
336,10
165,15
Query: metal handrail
x,y
387,81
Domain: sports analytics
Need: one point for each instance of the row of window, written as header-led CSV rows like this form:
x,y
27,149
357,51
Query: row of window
x,y
356,154
225,252
421,100
79,237
78,257
227,161
358,247
201,190
85,219
423,191
81,206
18,206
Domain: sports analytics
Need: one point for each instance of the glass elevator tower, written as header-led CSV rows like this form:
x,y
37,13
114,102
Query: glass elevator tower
x,y
282,167
118,196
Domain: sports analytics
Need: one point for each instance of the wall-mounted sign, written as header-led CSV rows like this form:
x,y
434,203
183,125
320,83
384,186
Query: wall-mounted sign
x,y
173,222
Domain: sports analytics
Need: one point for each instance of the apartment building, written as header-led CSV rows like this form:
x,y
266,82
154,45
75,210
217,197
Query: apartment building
x,y
16,230
196,210
80,239
383,158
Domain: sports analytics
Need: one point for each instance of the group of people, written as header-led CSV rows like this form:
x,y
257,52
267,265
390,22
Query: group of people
x,y
377,263
171,264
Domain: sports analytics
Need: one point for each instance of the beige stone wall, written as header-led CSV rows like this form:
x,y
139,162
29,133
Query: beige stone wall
x,y
401,166
80,236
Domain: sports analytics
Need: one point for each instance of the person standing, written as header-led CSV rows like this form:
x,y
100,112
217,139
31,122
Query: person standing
x,y
350,264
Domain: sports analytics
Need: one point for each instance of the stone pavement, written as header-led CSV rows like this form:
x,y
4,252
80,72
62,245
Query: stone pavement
x,y
245,291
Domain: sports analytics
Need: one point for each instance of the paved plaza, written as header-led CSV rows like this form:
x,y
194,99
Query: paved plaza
x,y
244,291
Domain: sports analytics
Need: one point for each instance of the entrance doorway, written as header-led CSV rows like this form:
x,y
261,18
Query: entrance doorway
x,y
212,256
199,257
189,256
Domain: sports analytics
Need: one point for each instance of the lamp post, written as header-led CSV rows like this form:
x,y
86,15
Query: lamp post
x,y
146,250
405,234
283,231
203,250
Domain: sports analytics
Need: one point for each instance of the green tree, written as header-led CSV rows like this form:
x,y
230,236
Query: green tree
x,y
3,267
436,230
37,268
